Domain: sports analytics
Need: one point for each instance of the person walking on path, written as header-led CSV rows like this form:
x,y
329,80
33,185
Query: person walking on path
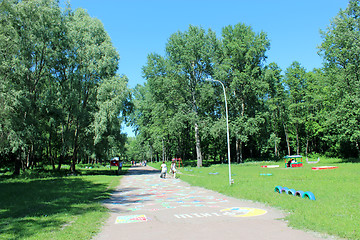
x,y
163,170
173,169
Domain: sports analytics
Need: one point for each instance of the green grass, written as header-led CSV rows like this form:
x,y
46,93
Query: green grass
x,y
44,205
336,210
41,206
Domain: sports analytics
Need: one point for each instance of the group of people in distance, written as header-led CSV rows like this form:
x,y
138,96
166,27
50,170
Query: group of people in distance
x,y
164,169
134,163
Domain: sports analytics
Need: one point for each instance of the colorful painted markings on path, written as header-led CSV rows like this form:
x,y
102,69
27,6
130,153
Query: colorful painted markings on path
x,y
230,212
243,212
131,219
145,195
151,195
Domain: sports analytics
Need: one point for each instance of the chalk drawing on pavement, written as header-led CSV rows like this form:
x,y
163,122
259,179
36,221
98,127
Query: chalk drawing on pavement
x,y
227,212
131,219
243,212
197,215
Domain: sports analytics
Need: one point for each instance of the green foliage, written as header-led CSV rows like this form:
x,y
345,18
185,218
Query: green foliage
x,y
184,115
340,51
63,101
112,97
296,83
276,111
170,107
55,66
271,112
240,67
190,56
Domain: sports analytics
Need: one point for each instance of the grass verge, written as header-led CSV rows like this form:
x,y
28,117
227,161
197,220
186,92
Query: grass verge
x,y
336,210
61,207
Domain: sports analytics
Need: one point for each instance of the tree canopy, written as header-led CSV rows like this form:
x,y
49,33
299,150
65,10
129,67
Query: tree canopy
x,y
272,111
61,94
63,101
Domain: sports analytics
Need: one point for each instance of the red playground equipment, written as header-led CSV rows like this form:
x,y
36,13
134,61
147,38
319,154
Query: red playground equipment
x,y
114,162
178,161
293,161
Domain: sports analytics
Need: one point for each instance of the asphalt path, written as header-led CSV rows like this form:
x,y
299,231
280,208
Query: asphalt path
x,y
145,206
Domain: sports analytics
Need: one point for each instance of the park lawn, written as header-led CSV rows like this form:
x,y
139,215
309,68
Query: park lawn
x,y
336,210
62,207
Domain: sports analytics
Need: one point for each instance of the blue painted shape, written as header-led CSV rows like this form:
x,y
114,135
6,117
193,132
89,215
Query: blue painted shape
x,y
278,189
291,192
309,195
299,193
284,189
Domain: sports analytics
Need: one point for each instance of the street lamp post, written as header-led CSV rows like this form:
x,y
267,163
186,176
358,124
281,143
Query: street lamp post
x,y
227,126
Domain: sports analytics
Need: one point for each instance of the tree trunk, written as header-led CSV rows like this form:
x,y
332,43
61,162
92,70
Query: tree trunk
x,y
193,83
64,148
17,162
60,161
50,153
275,147
74,155
358,147
239,153
163,150
73,160
198,146
28,157
297,141
151,154
307,146
239,142
287,138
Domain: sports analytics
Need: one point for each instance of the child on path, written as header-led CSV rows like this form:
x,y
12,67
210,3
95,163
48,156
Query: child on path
x,y
173,168
163,170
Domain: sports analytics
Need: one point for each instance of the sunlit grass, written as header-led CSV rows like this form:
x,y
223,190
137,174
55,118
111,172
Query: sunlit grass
x,y
335,211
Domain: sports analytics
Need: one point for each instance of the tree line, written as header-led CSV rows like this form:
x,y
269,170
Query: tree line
x,y
61,98
272,111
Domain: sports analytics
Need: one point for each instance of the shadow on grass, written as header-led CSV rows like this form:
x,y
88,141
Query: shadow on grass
x,y
30,206
350,160
101,171
105,172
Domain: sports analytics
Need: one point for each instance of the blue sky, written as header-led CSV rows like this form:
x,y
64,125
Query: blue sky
x,y
139,27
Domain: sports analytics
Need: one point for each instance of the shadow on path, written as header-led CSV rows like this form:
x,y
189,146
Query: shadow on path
x,y
140,170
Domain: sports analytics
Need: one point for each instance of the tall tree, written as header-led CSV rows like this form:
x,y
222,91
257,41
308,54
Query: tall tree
x,y
316,94
295,79
240,67
158,104
92,58
340,50
52,64
275,101
113,103
30,29
191,54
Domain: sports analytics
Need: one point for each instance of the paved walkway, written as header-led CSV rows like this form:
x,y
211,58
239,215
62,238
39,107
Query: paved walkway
x,y
145,206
